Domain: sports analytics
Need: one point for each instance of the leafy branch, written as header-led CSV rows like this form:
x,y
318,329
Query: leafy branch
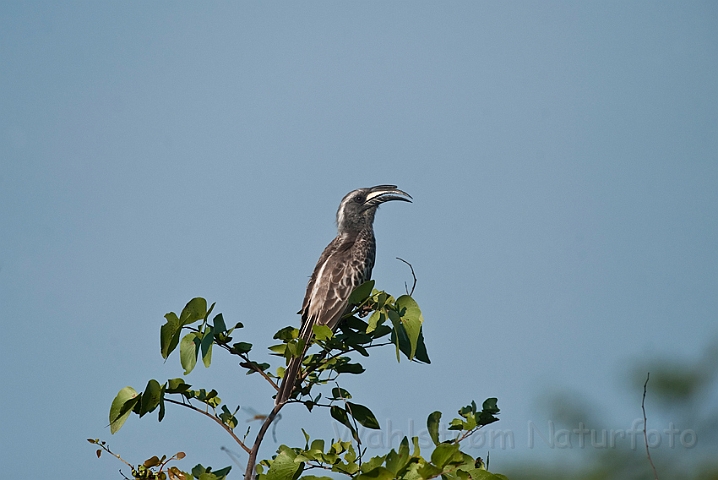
x,y
374,319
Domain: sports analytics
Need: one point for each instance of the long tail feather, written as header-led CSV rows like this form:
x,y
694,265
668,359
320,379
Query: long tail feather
x,y
289,381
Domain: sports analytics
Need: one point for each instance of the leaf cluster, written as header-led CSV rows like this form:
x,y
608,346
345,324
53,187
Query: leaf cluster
x,y
155,395
156,468
446,460
374,319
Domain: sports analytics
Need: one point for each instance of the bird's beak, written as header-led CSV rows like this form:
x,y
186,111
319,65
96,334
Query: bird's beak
x,y
385,193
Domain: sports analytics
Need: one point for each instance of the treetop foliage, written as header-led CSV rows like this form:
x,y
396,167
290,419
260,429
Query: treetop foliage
x,y
374,319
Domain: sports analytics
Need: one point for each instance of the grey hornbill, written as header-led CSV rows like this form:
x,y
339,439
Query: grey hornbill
x,y
345,264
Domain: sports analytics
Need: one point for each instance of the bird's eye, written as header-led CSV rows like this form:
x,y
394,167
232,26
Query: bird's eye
x,y
359,199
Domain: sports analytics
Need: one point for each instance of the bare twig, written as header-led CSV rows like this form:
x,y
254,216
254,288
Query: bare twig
x,y
209,415
413,286
645,434
103,445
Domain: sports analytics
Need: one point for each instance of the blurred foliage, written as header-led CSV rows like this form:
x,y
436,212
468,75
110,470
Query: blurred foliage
x,y
682,394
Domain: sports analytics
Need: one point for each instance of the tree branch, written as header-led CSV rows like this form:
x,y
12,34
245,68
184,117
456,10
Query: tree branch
x,y
213,417
249,473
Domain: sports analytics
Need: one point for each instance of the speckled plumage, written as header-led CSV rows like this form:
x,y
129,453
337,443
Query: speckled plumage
x,y
345,263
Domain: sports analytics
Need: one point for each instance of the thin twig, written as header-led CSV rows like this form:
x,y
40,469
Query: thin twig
x,y
105,447
209,415
645,434
412,274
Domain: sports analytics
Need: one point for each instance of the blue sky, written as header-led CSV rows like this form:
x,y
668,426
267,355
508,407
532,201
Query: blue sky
x,y
563,158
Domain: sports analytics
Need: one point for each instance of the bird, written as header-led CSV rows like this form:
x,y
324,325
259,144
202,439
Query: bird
x,y
345,263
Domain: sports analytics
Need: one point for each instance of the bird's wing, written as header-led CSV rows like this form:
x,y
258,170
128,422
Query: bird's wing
x,y
329,288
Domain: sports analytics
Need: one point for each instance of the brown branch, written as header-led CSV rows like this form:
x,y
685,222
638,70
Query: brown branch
x,y
209,415
249,473
412,274
645,434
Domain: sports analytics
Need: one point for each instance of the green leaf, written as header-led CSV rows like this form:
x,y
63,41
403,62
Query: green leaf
x,y
295,347
284,467
396,461
228,418
372,463
206,346
161,414
279,349
490,405
169,334
196,309
354,368
340,394
363,415
421,354
189,348
411,319
177,385
341,416
443,453
478,474
428,471
379,473
361,293
322,332
222,472
381,331
354,323
286,334
241,347
151,397
376,319
398,335
432,424
218,323
121,407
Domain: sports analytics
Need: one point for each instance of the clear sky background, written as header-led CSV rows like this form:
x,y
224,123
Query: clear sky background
x,y
563,158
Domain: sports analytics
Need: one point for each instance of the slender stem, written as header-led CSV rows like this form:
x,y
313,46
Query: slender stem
x,y
209,415
106,448
249,473
412,274
645,434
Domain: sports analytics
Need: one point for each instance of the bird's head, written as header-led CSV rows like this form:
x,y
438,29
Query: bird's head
x,y
357,209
